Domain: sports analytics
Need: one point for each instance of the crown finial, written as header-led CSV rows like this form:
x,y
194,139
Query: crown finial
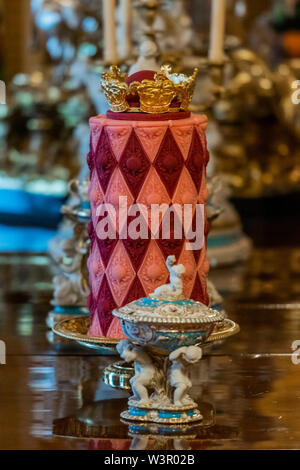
x,y
167,92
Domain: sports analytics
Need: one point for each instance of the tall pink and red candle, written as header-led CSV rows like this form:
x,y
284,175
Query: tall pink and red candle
x,y
150,162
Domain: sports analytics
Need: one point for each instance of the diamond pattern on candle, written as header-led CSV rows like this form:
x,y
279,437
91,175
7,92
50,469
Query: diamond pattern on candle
x,y
187,259
136,250
95,134
96,196
153,271
104,305
164,172
169,162
183,136
203,191
186,192
197,292
203,140
170,245
120,273
134,164
96,269
117,188
202,251
195,162
203,264
151,139
95,328
106,247
115,330
136,291
105,161
118,137
202,269
153,190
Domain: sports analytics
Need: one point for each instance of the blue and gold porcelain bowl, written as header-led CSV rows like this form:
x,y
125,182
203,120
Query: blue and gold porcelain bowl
x,y
165,325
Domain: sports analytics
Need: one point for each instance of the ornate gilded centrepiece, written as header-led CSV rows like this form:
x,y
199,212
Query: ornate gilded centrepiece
x,y
167,92
165,331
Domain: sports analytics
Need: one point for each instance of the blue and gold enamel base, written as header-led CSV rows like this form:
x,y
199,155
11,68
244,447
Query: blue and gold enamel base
x,y
171,415
152,430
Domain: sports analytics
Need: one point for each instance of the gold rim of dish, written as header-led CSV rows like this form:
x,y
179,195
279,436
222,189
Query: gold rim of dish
x,y
65,328
76,329
231,330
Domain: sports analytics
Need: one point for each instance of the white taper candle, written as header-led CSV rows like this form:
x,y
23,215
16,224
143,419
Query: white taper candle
x,y
109,26
217,31
125,25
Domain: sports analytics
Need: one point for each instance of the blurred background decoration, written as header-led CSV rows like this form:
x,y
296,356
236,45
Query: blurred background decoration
x,y
51,56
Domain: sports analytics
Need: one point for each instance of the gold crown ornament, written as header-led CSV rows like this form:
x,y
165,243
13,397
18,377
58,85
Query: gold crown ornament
x,y
115,88
166,93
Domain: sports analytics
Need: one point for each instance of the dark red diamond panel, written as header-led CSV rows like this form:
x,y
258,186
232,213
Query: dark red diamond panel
x,y
196,160
106,248
136,249
135,292
134,164
169,162
197,293
105,305
171,245
105,161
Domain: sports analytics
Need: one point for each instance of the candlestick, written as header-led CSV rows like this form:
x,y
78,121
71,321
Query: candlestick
x,y
125,24
110,40
217,29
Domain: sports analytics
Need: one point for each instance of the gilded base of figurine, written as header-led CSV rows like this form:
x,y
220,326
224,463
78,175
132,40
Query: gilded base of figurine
x,y
170,415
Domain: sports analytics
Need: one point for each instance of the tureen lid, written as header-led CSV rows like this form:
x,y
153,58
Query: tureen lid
x,y
147,310
167,304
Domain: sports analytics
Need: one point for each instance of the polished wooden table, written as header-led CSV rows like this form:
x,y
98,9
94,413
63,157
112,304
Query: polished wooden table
x,y
248,388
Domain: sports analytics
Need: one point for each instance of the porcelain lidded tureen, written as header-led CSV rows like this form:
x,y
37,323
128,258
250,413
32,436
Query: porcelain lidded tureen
x,y
166,319
165,331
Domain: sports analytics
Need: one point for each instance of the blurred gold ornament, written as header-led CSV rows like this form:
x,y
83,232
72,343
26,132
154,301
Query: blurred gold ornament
x,y
156,96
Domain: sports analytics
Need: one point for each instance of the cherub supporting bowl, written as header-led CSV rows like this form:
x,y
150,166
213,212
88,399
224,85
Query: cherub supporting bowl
x,y
165,325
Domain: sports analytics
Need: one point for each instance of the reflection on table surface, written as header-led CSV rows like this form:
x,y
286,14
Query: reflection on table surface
x,y
248,389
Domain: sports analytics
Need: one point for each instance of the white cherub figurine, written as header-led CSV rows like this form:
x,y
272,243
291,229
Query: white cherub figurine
x,y
174,290
178,374
69,288
145,370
